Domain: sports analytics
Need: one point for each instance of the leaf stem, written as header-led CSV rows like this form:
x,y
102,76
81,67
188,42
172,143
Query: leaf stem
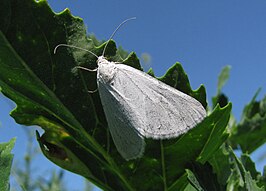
x,y
163,165
110,161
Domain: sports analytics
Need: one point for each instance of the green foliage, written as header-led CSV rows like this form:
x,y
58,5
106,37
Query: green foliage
x,y
250,133
6,159
49,94
30,178
220,98
223,77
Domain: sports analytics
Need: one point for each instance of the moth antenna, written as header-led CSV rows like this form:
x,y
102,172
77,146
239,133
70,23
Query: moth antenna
x,y
79,67
87,69
90,70
92,91
119,26
72,46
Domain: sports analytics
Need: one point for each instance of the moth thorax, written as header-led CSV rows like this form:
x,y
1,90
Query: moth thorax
x,y
106,70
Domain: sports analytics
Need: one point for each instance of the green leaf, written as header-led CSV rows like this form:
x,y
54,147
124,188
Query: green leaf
x,y
192,146
6,159
249,165
262,180
49,94
218,134
220,163
250,133
223,77
177,78
251,184
240,178
234,173
193,180
206,178
184,183
220,98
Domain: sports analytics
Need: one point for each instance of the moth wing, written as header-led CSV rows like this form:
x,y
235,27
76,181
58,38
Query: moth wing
x,y
129,143
160,111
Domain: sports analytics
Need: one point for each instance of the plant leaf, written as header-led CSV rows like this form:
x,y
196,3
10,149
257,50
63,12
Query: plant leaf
x,y
221,98
220,163
234,173
250,133
49,94
218,134
245,181
223,77
177,78
6,159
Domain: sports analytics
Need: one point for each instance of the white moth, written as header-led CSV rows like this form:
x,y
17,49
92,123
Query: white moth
x,y
138,106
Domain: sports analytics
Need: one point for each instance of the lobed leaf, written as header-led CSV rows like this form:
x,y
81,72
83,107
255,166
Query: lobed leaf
x,y
250,133
6,159
49,94
221,98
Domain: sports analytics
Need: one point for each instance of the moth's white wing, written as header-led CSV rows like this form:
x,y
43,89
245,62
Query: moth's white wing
x,y
128,141
155,109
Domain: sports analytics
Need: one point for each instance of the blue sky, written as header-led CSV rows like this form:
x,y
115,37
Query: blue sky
x,y
203,36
